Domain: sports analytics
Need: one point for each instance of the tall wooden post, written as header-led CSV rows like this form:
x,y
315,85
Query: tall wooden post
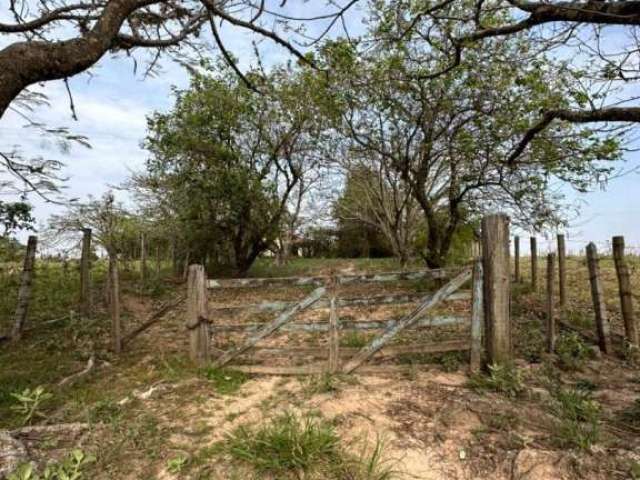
x,y
334,333
602,320
497,287
562,270
624,288
85,273
516,258
143,260
477,317
551,321
114,303
24,293
197,321
534,262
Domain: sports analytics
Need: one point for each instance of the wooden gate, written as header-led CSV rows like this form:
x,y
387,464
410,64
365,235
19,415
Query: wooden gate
x,y
326,296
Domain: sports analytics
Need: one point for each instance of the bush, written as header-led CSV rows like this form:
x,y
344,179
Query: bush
x,y
572,352
502,378
578,416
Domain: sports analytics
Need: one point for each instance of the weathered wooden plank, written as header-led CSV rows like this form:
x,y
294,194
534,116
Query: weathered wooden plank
x,y
435,321
516,259
429,302
196,320
85,273
319,368
323,280
497,287
562,270
277,306
624,289
271,327
348,352
477,318
551,320
603,328
334,338
24,293
534,262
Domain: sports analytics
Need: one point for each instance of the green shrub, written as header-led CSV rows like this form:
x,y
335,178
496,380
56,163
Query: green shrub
x,y
577,416
29,402
69,469
631,415
502,378
572,352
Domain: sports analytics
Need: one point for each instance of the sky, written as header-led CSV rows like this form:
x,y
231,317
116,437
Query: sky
x,y
112,104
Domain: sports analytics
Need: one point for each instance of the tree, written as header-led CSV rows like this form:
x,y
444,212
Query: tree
x,y
38,47
375,197
449,138
596,39
227,162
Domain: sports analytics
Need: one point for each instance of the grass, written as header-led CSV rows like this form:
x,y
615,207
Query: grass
x,y
577,418
354,339
502,378
225,381
572,352
289,446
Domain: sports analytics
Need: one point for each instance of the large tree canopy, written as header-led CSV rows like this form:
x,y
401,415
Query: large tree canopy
x,y
227,163
450,137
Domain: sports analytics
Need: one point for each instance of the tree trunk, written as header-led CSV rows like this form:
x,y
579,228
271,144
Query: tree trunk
x,y
24,294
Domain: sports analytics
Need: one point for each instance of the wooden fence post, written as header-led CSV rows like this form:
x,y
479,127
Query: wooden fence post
x,y
85,273
334,334
624,288
477,315
516,258
114,303
24,293
197,322
143,260
551,321
602,320
562,270
534,262
497,287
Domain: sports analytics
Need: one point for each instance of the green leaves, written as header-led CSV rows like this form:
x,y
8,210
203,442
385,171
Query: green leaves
x,y
29,402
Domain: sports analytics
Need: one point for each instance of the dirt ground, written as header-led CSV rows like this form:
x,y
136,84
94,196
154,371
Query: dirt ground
x,y
151,405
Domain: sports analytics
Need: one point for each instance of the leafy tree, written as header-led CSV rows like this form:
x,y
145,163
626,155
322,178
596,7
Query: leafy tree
x,y
596,39
15,216
449,138
226,163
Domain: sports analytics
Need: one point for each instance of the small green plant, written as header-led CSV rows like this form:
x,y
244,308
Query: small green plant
x,y
634,470
502,378
322,383
69,469
176,465
631,415
225,382
450,361
578,417
285,444
531,342
29,403
354,339
572,352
